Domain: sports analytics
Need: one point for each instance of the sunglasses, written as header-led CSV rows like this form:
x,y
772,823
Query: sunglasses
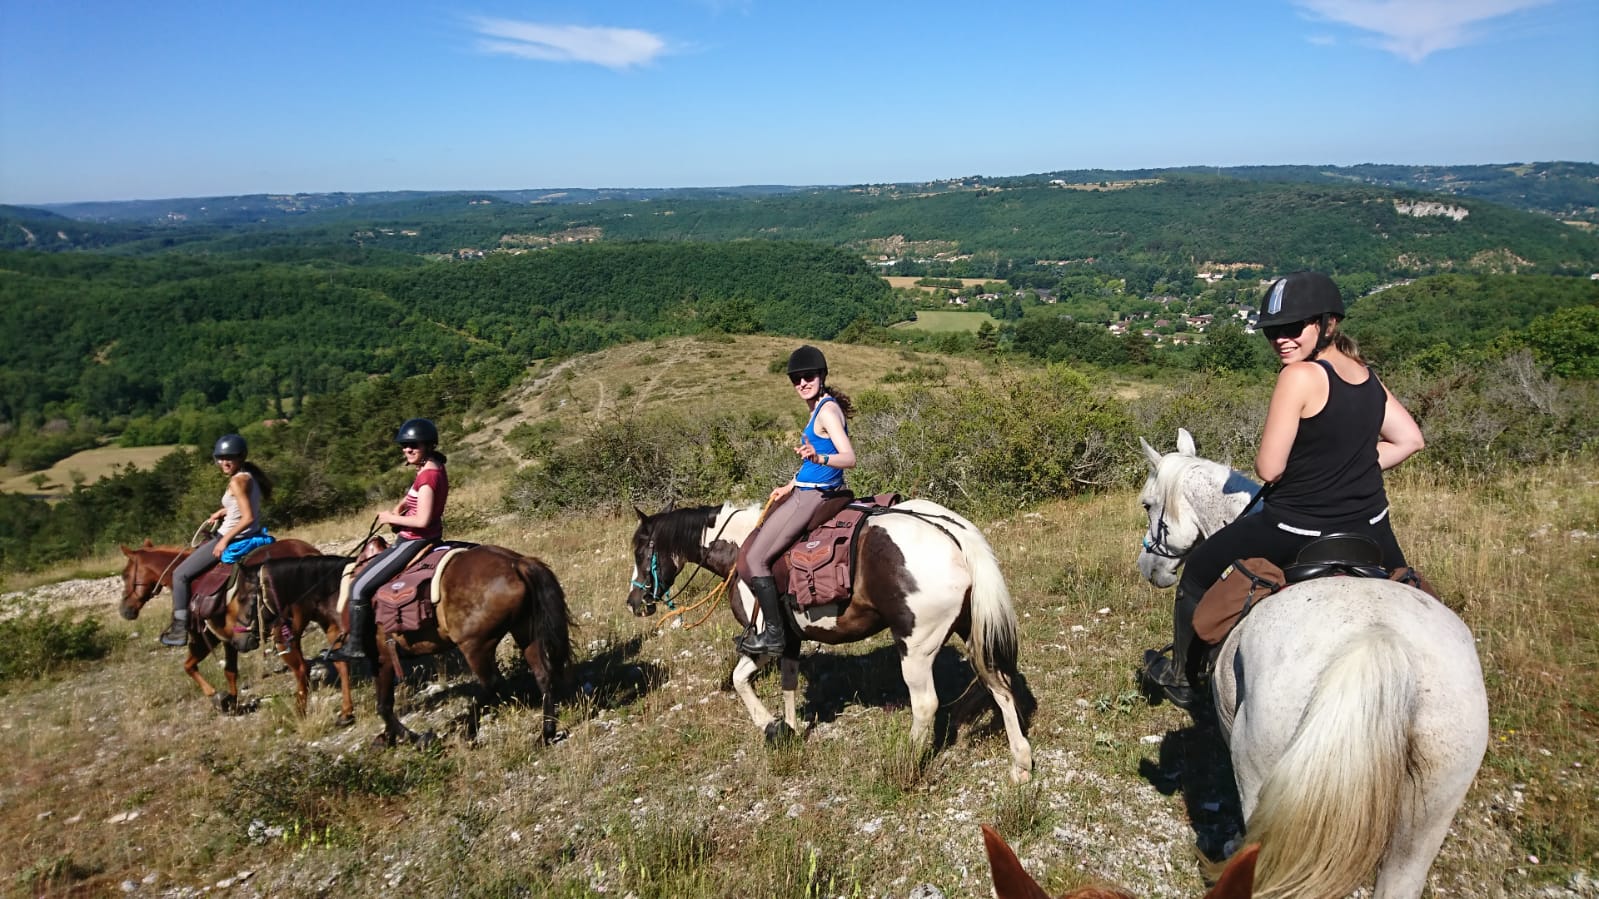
x,y
410,446
225,458
1292,329
798,376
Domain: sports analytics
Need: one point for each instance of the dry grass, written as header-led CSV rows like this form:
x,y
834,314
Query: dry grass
x,y
663,788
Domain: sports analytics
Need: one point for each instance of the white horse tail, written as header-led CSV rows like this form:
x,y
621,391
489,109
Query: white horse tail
x,y
1328,808
992,647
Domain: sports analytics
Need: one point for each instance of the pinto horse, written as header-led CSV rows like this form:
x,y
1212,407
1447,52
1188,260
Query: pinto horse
x,y
150,567
1353,708
483,593
1011,880
922,572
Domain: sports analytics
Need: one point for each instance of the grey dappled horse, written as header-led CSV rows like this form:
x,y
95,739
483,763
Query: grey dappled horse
x,y
1353,708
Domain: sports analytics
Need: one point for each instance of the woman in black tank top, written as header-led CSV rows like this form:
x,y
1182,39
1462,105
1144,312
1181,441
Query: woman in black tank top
x,y
1331,430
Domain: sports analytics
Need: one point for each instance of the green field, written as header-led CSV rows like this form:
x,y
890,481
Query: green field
x,y
941,320
92,465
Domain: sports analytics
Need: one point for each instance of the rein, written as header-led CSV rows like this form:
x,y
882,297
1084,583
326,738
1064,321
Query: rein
x,y
716,591
168,570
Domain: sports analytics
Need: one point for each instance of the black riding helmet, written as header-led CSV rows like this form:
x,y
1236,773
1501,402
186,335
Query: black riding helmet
x,y
807,358
1299,297
418,430
230,445
1303,296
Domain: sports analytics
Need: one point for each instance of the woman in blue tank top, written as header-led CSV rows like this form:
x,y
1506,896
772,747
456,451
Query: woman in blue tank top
x,y
825,451
1331,430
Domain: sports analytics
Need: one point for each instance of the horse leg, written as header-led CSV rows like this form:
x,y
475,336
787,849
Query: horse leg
x,y
540,666
1021,751
346,700
302,677
383,686
480,658
916,666
191,667
743,673
229,703
788,667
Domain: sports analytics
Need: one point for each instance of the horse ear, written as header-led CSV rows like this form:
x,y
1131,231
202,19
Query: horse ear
x,y
148,544
1185,443
1010,880
1238,881
1150,453
640,513
125,551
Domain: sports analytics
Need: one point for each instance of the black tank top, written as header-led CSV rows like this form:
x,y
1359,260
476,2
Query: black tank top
x,y
1332,473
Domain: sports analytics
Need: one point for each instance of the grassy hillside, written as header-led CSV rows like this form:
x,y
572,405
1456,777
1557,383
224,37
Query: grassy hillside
x,y
121,774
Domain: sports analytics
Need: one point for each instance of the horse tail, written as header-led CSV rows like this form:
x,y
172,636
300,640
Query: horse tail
x,y
992,646
1328,808
546,614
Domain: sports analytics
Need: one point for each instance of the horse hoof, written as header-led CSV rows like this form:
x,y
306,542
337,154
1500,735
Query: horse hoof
x,y
1020,775
344,721
425,741
225,703
778,732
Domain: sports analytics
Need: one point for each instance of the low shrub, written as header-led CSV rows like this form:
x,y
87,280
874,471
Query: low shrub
x,y
38,641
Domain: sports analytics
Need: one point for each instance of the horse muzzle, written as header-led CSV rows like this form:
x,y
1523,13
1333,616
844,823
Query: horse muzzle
x,y
642,606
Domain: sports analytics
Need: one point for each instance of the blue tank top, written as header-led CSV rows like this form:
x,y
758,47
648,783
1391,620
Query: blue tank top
x,y
814,475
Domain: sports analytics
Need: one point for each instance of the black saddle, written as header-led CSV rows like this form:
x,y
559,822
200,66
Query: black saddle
x,y
1355,555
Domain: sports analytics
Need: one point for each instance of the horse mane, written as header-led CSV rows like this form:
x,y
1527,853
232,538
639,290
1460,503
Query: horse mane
x,y
678,531
1170,479
296,574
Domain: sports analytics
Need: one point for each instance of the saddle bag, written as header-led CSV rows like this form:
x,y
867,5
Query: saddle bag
x,y
1244,583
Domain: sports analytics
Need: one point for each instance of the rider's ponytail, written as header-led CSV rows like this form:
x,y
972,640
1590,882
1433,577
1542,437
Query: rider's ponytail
x,y
842,398
261,480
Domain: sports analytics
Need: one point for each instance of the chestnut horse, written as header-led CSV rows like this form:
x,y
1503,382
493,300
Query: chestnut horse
x,y
923,573
1011,881
482,594
149,568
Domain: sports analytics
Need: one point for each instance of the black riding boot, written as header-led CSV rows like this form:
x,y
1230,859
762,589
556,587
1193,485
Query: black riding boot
x,y
1173,674
177,633
770,639
354,647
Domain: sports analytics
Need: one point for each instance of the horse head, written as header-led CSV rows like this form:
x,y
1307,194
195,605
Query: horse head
x,y
147,568
654,571
248,616
1011,881
1173,529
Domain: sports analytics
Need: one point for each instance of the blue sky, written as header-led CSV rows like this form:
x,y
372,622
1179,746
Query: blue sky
x,y
114,100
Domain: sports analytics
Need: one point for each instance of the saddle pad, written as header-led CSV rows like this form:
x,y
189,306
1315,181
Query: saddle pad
x,y
407,603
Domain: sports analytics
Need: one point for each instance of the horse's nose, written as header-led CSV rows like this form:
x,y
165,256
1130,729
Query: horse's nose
x,y
129,612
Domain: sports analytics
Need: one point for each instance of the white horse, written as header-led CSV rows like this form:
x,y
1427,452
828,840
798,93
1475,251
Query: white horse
x,y
1354,708
922,572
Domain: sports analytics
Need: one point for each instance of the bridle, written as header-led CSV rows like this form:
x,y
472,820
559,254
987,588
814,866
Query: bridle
x,y
1155,541
652,591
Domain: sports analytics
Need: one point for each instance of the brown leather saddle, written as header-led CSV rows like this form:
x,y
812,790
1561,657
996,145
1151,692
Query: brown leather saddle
x,y
1248,581
210,592
819,568
407,601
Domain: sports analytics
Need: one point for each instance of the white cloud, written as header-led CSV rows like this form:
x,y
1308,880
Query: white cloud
x,y
1415,29
614,48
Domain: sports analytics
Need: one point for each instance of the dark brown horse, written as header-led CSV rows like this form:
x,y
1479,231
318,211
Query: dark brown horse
x,y
282,628
150,567
482,593
1011,881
